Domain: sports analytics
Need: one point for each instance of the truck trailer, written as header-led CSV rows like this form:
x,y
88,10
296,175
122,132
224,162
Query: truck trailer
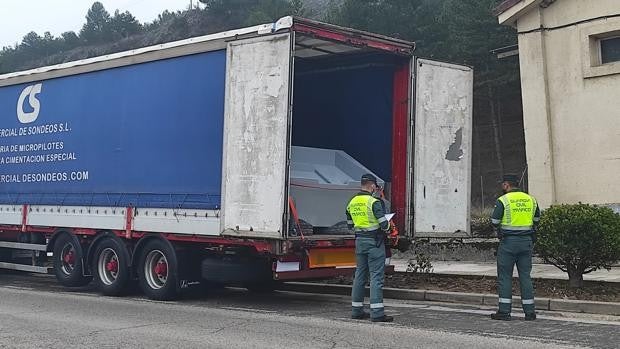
x,y
196,160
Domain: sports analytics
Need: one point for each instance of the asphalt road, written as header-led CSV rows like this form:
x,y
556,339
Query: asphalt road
x,y
36,312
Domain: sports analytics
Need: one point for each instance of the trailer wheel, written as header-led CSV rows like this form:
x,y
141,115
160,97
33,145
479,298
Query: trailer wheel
x,y
157,272
5,255
111,266
68,262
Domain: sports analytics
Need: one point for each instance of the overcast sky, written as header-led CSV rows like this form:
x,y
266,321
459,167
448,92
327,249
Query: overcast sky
x,y
19,17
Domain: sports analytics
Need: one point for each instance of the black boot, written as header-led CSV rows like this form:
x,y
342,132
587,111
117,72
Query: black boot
x,y
362,316
501,316
530,316
383,318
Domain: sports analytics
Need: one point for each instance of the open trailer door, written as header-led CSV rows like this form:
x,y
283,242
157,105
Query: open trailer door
x,y
442,131
256,136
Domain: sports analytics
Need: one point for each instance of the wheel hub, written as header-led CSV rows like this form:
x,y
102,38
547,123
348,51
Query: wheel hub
x,y
156,269
69,258
108,266
112,266
161,269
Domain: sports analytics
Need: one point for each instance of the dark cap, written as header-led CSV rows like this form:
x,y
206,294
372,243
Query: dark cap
x,y
511,178
369,178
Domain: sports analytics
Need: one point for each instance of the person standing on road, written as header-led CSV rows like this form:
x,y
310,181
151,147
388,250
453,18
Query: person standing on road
x,y
515,216
366,216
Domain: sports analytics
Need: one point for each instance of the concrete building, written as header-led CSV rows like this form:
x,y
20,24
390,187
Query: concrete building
x,y
569,52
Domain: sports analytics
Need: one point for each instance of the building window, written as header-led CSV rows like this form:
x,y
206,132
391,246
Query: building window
x,y
610,50
600,50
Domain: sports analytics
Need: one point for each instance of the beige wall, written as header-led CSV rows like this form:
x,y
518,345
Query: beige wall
x,y
571,109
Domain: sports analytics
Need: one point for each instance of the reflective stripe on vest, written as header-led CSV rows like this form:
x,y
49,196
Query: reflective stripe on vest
x,y
360,209
519,210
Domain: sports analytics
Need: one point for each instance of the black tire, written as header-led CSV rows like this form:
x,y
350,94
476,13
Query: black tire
x,y
158,271
110,265
69,262
5,255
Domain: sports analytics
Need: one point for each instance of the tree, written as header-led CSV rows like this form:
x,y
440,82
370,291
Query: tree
x,y
70,40
123,25
298,8
162,19
7,57
234,11
579,239
167,16
97,28
269,10
32,43
249,12
453,30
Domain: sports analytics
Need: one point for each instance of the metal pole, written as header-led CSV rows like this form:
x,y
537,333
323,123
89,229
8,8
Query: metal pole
x,y
482,191
521,180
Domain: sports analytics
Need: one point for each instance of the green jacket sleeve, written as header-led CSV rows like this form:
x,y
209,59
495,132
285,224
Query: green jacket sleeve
x,y
379,212
536,216
498,213
349,220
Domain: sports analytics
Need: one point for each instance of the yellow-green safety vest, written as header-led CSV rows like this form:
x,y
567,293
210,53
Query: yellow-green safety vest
x,y
360,209
519,211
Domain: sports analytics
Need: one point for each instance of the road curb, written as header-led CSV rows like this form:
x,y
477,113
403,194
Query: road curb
x,y
590,307
573,306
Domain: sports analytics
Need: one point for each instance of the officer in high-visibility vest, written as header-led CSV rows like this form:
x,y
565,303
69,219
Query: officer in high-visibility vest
x,y
515,216
366,216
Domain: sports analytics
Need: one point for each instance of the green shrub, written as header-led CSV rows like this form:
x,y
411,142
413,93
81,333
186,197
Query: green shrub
x,y
579,239
481,225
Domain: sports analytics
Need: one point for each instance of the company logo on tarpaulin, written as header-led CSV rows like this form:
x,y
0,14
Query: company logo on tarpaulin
x,y
31,92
